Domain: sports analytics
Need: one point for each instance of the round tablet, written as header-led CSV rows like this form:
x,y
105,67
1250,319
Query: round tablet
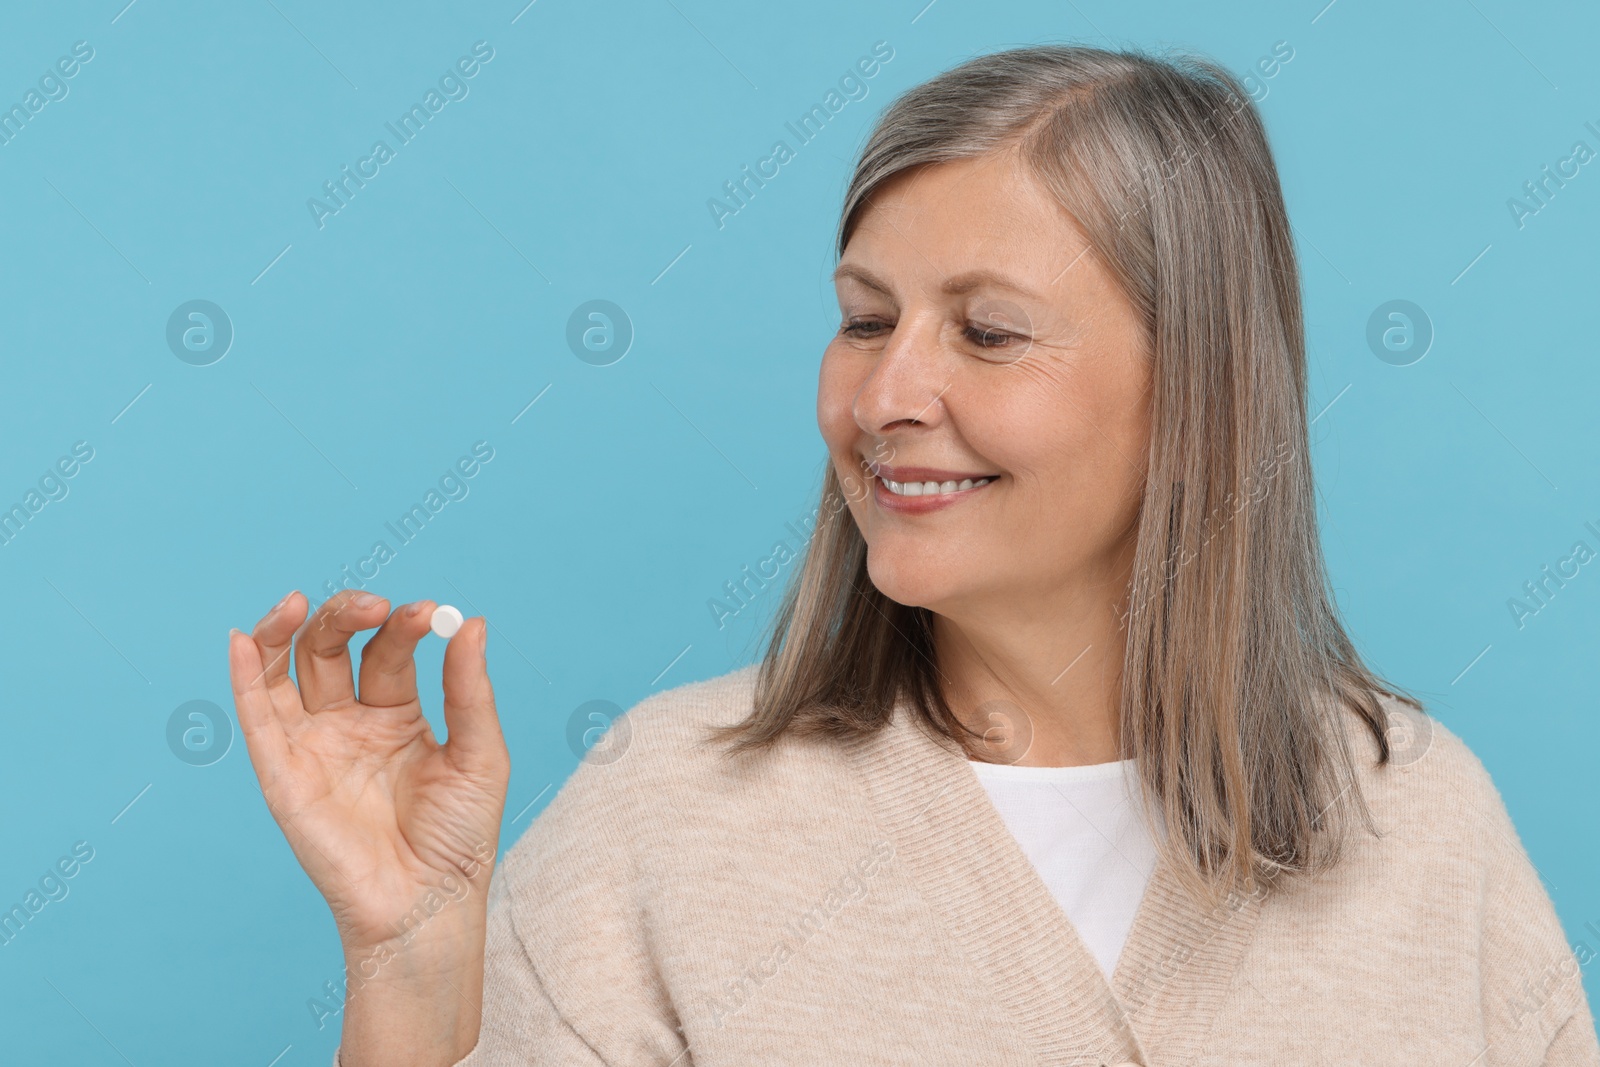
x,y
446,621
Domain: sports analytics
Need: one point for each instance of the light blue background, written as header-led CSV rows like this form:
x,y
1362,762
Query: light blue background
x,y
429,312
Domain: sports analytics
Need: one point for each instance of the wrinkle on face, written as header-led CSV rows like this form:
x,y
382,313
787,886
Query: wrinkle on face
x,y
1065,423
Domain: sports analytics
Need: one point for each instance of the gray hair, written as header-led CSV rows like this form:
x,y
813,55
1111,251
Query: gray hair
x,y
1238,673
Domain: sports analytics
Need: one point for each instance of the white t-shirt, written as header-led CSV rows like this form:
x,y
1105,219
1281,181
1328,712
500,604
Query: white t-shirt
x,y
1080,828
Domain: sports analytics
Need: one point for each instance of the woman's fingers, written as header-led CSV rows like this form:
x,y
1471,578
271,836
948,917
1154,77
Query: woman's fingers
x,y
388,669
263,732
322,650
475,742
274,633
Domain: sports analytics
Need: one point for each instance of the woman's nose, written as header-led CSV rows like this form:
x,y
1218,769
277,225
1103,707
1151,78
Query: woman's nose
x,y
907,381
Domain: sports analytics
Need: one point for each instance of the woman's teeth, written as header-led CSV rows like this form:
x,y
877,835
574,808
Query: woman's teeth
x,y
932,488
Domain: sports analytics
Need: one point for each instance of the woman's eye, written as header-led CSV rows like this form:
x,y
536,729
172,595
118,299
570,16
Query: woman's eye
x,y
990,337
983,336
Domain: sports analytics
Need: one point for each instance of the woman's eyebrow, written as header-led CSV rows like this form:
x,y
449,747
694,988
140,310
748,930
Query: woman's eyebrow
x,y
862,275
979,279
956,285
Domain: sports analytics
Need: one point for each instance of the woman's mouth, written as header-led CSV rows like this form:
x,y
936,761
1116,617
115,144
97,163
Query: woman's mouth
x,y
932,488
921,489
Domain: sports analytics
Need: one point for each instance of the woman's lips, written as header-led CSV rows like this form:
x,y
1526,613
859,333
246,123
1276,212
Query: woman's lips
x,y
925,474
889,500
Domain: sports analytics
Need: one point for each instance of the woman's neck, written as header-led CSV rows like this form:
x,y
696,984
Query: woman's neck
x,y
1041,683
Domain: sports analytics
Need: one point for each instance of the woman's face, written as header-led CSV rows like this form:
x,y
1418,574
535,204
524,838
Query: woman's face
x,y
982,339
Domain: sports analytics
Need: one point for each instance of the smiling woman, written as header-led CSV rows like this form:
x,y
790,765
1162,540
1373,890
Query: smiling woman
x,y
1031,297
1009,786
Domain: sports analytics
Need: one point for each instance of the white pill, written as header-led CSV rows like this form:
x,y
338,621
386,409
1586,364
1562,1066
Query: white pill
x,y
446,621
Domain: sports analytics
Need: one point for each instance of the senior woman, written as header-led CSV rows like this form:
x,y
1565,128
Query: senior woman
x,y
1058,753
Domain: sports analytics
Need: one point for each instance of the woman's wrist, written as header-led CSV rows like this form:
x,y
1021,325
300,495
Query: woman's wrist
x,y
416,1002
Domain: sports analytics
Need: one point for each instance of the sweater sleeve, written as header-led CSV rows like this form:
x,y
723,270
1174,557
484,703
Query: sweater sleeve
x,y
521,1026
1575,1044
1533,1005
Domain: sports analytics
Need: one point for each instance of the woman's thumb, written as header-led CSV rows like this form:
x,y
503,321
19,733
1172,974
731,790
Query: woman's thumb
x,y
469,712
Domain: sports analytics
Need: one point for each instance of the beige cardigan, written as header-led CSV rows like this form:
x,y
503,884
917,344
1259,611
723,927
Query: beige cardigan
x,y
862,903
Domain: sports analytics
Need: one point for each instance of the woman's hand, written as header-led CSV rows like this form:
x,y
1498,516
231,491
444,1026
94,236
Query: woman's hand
x,y
379,814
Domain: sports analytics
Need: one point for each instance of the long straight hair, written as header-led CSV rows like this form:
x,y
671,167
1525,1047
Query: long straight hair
x,y
1237,667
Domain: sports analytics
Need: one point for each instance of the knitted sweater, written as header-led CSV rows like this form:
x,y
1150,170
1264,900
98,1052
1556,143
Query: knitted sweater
x,y
862,903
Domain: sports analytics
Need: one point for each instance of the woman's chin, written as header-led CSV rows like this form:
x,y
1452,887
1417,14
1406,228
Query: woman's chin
x,y
913,581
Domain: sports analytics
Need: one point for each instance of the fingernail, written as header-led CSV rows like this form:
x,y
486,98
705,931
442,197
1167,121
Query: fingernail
x,y
279,605
364,600
231,631
412,609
